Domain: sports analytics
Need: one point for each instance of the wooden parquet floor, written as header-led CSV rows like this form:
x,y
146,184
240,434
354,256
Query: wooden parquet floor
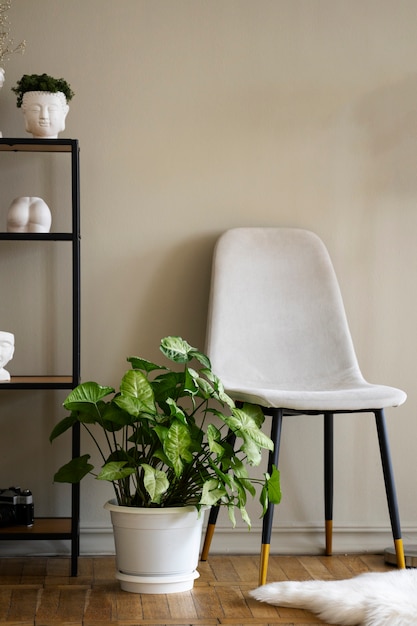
x,y
39,591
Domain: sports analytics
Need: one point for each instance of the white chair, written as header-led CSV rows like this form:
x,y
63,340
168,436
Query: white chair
x,y
278,337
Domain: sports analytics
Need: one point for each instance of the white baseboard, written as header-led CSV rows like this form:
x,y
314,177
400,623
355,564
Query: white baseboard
x,y
285,540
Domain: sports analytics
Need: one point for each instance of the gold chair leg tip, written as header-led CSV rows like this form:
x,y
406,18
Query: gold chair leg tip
x,y
207,542
263,567
399,551
329,537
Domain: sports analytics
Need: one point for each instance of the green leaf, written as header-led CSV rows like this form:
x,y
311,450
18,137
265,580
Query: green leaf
x,y
245,516
161,432
176,446
89,393
271,490
176,349
240,487
115,470
206,389
252,451
201,358
218,387
245,425
231,514
225,477
176,411
190,381
114,418
263,499
160,454
168,385
213,438
63,426
74,471
239,468
274,486
211,492
255,412
246,484
144,365
156,482
136,394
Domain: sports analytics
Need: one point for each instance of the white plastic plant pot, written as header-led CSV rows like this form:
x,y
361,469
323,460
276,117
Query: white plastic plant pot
x,y
157,550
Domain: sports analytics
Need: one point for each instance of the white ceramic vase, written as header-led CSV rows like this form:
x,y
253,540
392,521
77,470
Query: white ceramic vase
x,y
29,214
44,113
157,550
6,353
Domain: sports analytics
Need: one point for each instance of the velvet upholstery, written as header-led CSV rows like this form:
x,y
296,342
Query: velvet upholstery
x,y
277,331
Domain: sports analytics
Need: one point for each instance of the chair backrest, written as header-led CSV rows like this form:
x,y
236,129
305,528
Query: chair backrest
x,y
276,316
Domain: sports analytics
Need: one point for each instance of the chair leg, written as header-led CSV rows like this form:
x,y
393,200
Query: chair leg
x,y
211,525
214,512
328,480
269,515
390,486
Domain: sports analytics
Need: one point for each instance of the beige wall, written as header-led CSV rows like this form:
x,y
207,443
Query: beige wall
x,y
195,116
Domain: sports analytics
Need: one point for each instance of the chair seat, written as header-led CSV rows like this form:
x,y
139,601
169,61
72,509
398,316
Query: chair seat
x,y
356,396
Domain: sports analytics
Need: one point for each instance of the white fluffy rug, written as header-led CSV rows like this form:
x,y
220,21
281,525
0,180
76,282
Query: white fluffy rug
x,y
372,599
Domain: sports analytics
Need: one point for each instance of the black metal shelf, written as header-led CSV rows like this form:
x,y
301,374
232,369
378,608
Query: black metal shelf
x,y
36,236
19,144
54,528
38,382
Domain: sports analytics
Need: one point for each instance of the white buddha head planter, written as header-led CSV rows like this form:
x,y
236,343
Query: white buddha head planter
x,y
29,214
44,113
6,353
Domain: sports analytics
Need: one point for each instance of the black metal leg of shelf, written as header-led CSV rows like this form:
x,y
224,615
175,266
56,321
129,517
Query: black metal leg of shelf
x,y
75,506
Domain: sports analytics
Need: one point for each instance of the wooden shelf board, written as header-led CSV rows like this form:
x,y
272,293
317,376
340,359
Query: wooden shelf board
x,y
43,527
9,144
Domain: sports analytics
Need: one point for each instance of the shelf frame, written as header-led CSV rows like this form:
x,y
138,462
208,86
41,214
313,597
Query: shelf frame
x,y
56,527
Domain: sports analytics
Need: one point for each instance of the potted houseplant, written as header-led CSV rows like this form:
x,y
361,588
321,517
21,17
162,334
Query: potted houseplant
x,y
167,451
44,102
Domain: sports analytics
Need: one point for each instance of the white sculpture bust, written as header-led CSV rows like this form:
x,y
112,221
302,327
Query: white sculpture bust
x,y
44,113
6,353
29,214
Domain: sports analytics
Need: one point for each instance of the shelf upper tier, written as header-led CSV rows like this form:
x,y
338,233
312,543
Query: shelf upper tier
x,y
19,144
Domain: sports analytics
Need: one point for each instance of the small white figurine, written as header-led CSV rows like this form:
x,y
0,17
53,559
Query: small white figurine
x,y
6,353
29,214
44,113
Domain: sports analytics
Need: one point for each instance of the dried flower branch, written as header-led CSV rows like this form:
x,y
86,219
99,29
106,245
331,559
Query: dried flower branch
x,y
7,47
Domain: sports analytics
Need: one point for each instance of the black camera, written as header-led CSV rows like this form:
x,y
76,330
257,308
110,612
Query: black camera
x,y
16,507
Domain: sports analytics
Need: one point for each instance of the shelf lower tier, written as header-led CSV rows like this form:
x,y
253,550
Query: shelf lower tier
x,y
38,382
43,528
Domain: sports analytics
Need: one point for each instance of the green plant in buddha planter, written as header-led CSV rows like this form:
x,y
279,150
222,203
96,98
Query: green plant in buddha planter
x,y
41,82
44,102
